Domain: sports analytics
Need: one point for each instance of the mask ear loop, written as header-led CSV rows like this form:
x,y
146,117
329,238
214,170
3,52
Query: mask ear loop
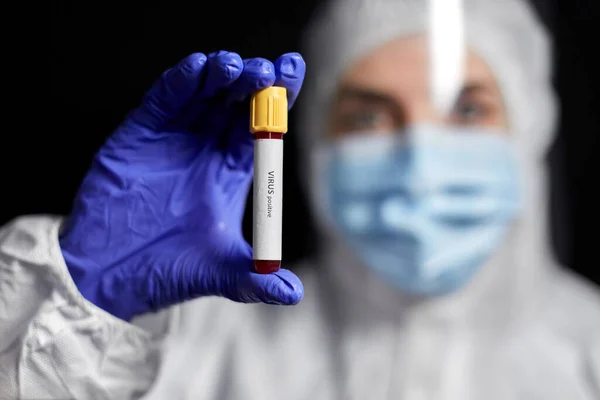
x,y
319,194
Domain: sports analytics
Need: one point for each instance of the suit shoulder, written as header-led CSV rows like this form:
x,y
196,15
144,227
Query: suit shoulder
x,y
574,307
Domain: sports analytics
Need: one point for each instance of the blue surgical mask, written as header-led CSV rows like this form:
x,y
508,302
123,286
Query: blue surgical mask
x,y
424,208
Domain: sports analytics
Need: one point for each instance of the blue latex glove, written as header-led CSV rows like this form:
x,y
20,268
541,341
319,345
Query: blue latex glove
x,y
157,220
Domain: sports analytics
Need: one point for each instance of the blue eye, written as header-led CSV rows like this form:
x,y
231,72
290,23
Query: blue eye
x,y
469,112
366,120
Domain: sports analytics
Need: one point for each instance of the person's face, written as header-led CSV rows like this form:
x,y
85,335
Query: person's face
x,y
389,89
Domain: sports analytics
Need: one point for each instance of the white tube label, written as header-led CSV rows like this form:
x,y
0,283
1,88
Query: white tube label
x,y
268,184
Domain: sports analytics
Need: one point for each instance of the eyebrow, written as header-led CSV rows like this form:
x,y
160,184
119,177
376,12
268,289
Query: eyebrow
x,y
474,88
364,94
375,96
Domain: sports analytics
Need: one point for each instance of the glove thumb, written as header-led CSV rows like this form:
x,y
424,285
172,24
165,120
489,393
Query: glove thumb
x,y
282,287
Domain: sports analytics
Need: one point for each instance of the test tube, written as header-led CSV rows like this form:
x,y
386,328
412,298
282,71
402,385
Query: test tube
x,y
268,124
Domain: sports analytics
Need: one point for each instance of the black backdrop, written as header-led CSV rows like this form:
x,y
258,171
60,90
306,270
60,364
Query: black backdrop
x,y
79,76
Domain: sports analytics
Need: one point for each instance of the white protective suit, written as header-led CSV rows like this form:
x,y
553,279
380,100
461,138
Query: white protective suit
x,y
521,329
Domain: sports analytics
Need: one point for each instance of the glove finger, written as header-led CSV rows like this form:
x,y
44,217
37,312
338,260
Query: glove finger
x,y
223,68
290,69
258,74
171,92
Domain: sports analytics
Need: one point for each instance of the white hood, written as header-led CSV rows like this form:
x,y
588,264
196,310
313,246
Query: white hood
x,y
507,35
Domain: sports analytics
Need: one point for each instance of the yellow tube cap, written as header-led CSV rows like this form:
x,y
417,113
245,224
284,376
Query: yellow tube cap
x,y
269,110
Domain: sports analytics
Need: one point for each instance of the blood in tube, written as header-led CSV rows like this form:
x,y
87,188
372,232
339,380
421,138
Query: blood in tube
x,y
268,124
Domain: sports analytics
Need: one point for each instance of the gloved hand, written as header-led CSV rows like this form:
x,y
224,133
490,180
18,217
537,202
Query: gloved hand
x,y
157,220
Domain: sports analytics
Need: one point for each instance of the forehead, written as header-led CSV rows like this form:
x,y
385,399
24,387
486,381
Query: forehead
x,y
401,67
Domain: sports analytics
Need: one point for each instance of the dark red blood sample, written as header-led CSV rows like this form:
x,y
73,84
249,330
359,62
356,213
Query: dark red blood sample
x,y
268,135
266,266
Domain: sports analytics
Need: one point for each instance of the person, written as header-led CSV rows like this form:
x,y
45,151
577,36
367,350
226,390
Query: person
x,y
434,281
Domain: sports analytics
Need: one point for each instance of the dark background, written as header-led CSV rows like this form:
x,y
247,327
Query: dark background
x,y
86,64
